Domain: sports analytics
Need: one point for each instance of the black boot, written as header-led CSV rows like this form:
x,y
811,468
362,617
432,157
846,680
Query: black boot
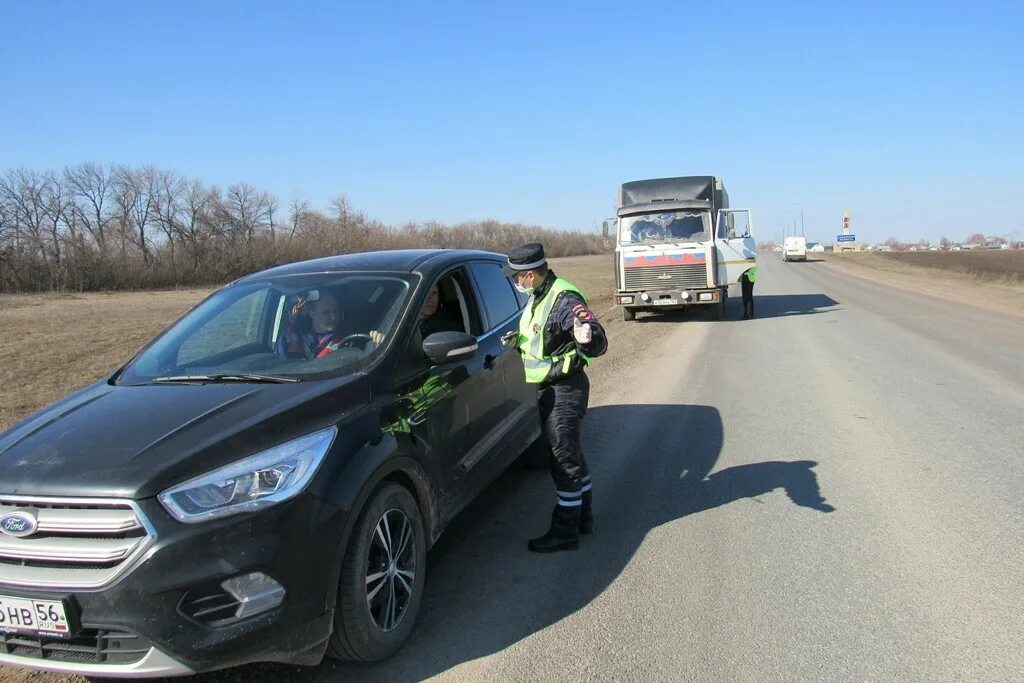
x,y
587,514
563,534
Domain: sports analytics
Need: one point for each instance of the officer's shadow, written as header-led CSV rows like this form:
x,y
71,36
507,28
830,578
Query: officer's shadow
x,y
653,465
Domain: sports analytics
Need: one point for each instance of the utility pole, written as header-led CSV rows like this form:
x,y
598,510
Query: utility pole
x,y
801,222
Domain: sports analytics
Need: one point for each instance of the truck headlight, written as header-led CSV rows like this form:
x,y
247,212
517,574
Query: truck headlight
x,y
252,483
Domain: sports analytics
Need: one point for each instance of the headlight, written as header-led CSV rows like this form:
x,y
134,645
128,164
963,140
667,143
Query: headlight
x,y
255,482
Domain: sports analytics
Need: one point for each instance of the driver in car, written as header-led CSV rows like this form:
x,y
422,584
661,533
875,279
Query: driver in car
x,y
323,338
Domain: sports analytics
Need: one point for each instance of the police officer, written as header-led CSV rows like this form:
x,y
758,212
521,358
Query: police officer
x,y
747,287
558,335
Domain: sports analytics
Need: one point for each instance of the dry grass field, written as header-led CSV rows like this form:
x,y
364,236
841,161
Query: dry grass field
x,y
1002,266
990,279
53,344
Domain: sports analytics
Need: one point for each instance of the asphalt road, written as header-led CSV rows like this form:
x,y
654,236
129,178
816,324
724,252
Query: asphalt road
x,y
832,491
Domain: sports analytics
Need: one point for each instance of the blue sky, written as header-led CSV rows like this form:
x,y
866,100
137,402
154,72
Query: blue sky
x,y
907,115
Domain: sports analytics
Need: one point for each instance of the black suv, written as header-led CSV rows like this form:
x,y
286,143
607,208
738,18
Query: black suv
x,y
262,481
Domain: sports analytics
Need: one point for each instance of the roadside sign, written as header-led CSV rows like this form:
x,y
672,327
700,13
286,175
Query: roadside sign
x,y
846,238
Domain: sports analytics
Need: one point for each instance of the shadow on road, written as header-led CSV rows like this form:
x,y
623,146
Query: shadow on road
x,y
652,465
765,306
782,305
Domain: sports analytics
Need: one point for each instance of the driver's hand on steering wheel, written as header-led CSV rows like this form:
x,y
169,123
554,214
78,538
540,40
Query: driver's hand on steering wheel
x,y
376,337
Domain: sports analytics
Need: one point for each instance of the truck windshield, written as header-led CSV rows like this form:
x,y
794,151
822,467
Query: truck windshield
x,y
660,228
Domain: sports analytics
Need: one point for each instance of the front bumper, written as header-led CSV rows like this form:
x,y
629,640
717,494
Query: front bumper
x,y
669,298
153,664
146,623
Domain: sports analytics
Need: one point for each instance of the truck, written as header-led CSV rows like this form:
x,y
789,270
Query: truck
x,y
794,249
679,245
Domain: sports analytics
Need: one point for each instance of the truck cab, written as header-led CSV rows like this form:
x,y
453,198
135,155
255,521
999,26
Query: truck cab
x,y
678,245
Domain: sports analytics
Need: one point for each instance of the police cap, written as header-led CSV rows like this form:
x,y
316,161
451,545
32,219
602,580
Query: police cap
x,y
526,257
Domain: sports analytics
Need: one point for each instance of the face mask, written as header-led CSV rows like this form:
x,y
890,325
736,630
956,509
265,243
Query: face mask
x,y
523,290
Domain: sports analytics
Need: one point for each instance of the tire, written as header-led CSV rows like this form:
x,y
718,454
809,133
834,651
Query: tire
x,y
628,314
365,629
537,456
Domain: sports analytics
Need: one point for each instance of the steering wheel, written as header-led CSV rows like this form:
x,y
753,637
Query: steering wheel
x,y
352,337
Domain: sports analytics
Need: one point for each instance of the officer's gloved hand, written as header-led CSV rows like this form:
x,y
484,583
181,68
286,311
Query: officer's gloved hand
x,y
581,331
510,339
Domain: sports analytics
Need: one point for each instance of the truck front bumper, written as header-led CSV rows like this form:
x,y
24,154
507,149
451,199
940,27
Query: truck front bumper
x,y
669,298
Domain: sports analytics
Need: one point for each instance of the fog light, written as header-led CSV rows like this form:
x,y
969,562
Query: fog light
x,y
706,296
686,296
645,297
255,593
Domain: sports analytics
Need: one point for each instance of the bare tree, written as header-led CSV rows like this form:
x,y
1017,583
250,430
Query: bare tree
x,y
167,208
90,186
94,226
196,227
296,208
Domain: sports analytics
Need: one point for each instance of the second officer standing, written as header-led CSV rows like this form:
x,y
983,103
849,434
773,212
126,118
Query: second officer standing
x,y
558,335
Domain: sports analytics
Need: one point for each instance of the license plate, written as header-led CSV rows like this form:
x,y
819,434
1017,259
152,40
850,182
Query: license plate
x,y
666,302
45,617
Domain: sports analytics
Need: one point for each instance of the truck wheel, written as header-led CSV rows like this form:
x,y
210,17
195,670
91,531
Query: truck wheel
x,y
628,314
382,578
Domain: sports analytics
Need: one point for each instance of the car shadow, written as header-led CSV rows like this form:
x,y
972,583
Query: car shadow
x,y
485,592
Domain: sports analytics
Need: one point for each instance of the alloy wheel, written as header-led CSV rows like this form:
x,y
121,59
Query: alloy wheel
x,y
390,570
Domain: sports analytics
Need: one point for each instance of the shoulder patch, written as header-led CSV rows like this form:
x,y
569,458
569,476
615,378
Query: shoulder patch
x,y
582,312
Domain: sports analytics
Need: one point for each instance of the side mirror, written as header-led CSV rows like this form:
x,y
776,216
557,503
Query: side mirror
x,y
449,347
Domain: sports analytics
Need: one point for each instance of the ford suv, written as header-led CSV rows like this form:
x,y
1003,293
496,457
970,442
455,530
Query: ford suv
x,y
262,481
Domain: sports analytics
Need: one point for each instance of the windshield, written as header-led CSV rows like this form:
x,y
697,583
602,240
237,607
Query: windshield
x,y
671,226
290,327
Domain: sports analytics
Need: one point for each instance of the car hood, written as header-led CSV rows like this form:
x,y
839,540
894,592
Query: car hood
x,y
135,441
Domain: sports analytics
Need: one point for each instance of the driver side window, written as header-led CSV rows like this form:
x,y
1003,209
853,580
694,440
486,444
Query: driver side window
x,y
456,312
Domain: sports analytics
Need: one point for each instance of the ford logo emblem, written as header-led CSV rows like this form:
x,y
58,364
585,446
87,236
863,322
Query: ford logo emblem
x,y
19,523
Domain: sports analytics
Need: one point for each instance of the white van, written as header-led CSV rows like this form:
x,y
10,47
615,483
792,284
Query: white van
x,y
794,249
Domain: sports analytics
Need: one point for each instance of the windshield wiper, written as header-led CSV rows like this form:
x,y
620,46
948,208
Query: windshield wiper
x,y
228,377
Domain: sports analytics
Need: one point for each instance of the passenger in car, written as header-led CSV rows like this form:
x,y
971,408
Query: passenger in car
x,y
436,318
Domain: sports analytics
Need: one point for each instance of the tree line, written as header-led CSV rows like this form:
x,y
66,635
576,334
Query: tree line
x,y
94,227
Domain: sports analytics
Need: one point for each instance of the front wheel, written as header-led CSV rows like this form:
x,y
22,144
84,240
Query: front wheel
x,y
382,578
628,314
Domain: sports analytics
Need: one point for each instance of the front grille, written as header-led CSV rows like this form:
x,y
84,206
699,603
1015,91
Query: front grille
x,y
91,646
645,278
78,543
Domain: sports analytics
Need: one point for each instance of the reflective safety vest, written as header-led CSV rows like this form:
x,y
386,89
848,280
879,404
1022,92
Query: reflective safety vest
x,y
752,274
531,335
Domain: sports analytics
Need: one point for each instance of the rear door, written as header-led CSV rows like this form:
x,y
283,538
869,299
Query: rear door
x,y
735,248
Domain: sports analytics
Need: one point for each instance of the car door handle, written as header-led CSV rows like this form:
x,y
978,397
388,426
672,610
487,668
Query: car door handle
x,y
489,361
